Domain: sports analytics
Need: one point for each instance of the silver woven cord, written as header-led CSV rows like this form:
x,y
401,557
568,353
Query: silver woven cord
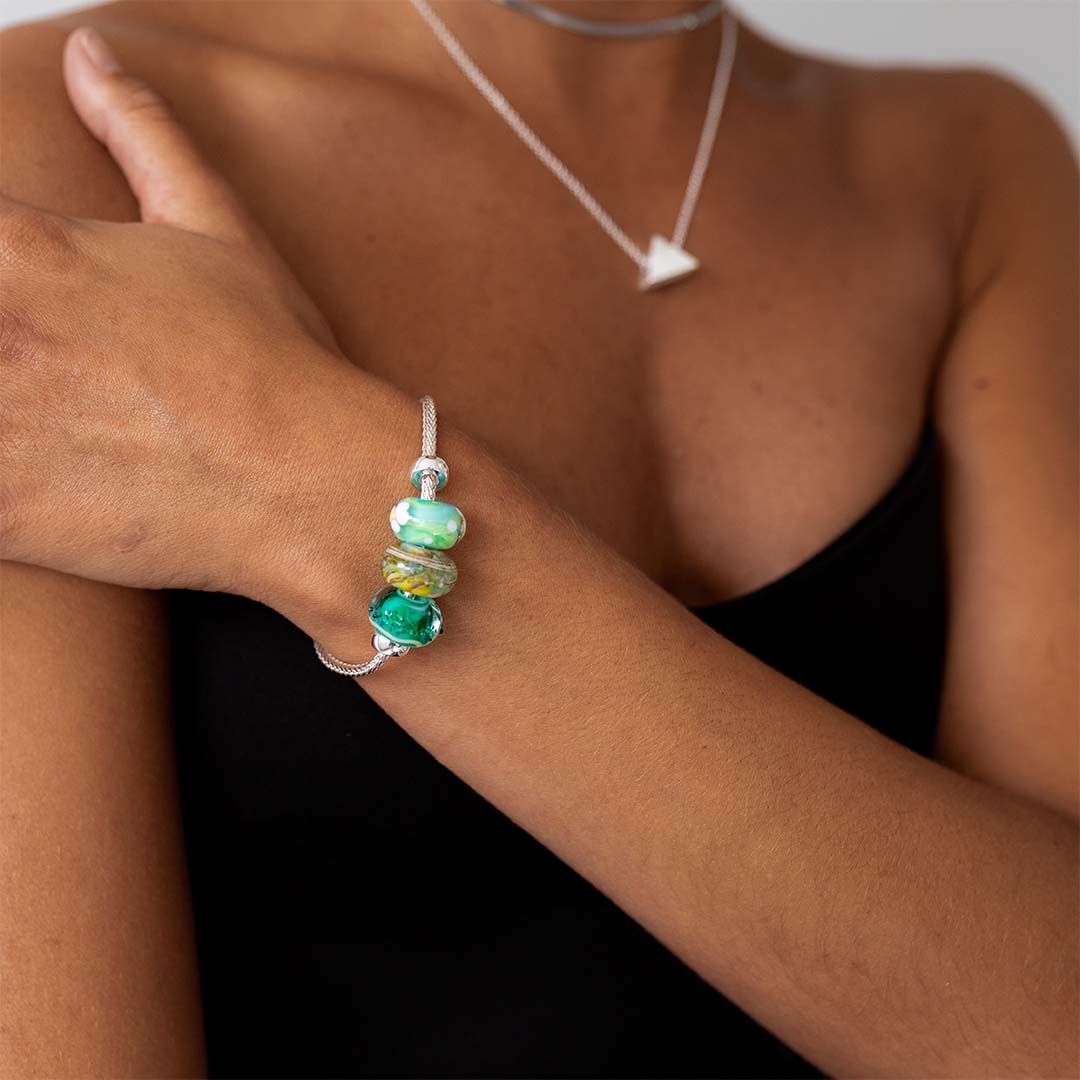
x,y
721,80
429,481
430,431
672,24
429,435
359,670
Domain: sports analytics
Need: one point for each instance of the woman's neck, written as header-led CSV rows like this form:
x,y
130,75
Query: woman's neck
x,y
583,72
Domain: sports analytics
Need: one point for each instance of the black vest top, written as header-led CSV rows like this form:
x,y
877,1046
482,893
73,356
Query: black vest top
x,y
361,912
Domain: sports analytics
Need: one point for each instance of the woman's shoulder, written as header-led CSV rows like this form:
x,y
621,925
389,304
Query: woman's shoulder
x,y
49,159
960,143
917,141
937,99
968,115
990,149
148,24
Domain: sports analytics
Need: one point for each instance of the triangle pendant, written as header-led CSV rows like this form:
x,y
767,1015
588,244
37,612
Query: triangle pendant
x,y
665,263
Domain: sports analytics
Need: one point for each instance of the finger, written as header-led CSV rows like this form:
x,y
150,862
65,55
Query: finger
x,y
165,171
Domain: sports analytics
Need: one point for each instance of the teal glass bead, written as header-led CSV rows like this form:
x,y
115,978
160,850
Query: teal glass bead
x,y
427,523
418,570
405,619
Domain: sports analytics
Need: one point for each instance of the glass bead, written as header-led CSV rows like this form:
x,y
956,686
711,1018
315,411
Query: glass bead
x,y
418,570
404,618
427,523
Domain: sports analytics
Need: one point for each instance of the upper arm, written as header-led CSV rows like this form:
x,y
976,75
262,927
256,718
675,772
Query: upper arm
x,y
98,952
1006,405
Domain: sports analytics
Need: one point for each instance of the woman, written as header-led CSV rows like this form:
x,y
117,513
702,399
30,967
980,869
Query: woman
x,y
773,815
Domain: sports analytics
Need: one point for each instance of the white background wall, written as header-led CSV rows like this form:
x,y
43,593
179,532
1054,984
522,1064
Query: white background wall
x,y
1037,41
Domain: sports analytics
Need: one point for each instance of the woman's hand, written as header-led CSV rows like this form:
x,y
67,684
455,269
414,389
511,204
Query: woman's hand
x,y
163,381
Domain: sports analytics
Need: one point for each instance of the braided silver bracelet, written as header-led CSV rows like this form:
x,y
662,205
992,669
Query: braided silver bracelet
x,y
416,568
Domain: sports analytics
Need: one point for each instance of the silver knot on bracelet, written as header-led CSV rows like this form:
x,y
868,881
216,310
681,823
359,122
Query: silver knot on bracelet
x,y
416,567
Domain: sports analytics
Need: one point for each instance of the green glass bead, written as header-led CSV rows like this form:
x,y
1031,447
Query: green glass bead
x,y
428,523
418,570
404,618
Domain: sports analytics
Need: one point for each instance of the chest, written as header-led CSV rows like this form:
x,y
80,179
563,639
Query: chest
x,y
716,432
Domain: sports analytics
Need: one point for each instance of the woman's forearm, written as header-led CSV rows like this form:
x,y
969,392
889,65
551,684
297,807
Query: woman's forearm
x,y
99,971
879,912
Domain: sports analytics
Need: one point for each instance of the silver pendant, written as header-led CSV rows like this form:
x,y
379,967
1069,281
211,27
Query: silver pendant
x,y
665,262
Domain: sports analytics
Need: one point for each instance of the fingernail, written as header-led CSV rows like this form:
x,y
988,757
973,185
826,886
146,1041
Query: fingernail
x,y
97,51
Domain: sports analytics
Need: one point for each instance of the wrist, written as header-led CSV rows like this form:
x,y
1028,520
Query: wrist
x,y
351,465
344,461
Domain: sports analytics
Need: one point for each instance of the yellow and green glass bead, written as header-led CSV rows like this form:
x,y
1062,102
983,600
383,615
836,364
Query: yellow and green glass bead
x,y
418,570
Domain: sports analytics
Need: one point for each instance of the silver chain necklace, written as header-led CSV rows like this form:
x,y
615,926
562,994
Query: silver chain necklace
x,y
673,24
666,260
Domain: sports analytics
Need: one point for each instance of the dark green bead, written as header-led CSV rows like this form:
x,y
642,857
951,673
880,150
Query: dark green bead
x,y
404,618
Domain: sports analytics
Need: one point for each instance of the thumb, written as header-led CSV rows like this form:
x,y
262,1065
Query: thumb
x,y
166,173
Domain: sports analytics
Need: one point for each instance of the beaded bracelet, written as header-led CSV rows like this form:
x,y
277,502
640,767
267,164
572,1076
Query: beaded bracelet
x,y
404,613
